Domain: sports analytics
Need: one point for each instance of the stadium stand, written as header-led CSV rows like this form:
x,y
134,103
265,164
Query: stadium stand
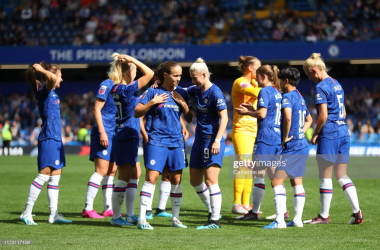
x,y
94,22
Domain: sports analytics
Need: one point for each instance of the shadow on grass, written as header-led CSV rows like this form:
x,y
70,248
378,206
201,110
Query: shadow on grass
x,y
73,215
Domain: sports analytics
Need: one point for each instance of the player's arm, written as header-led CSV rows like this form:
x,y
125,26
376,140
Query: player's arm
x,y
146,71
50,77
247,89
188,115
185,132
141,109
222,128
99,104
144,134
322,118
308,122
248,109
287,122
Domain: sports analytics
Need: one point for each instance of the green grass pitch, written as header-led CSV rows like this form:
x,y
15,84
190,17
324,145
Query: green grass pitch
x,y
17,174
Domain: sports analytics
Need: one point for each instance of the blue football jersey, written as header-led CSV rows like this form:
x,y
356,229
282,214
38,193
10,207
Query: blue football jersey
x,y
208,104
109,108
268,129
126,99
296,103
48,106
329,91
165,126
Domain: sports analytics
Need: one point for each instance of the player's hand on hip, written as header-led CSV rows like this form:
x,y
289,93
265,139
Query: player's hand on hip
x,y
314,139
104,140
288,139
160,98
215,149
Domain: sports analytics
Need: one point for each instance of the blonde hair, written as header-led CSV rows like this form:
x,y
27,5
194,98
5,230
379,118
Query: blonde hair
x,y
245,61
118,67
315,61
272,73
200,66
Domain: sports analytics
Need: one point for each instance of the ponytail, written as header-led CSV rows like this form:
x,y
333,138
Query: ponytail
x,y
272,73
115,73
31,77
35,78
276,80
165,67
118,67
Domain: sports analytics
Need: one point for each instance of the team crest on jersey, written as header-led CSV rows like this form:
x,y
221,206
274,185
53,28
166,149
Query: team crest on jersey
x,y
152,162
57,162
337,88
205,100
244,85
105,152
102,90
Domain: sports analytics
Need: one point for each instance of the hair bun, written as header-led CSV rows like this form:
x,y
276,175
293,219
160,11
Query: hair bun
x,y
199,60
316,56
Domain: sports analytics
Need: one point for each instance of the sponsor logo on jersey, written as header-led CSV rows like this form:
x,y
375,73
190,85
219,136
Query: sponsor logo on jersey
x,y
205,100
285,101
244,85
57,162
105,152
114,89
56,102
152,162
54,95
204,110
318,96
278,96
261,101
159,106
102,90
220,102
115,96
277,130
303,102
171,106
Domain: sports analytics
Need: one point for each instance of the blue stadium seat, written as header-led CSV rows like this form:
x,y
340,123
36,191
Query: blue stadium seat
x,y
49,33
373,139
41,34
46,27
